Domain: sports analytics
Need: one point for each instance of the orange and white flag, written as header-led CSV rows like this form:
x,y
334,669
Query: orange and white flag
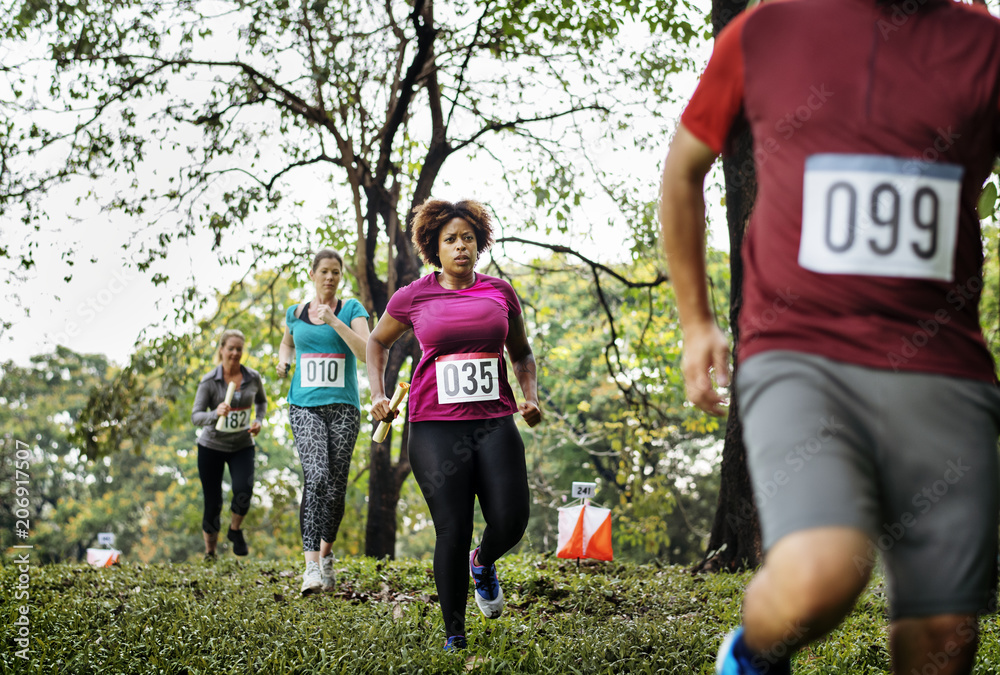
x,y
585,532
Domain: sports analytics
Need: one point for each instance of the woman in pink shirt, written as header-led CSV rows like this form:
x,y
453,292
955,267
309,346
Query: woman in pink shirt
x,y
463,442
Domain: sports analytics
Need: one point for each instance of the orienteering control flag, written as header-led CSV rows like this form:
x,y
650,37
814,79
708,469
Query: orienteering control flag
x,y
585,532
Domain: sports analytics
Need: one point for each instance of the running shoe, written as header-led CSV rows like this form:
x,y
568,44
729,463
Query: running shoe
x,y
735,659
239,543
326,572
726,662
455,643
489,595
312,578
210,557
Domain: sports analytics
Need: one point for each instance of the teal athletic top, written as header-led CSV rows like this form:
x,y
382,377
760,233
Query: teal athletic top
x,y
326,370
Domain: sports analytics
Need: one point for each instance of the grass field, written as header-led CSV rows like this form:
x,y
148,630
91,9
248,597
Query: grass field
x,y
248,617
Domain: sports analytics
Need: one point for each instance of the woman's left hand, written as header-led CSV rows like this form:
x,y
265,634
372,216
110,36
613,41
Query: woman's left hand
x,y
531,413
254,428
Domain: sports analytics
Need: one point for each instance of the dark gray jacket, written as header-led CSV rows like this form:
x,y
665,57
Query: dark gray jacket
x,y
212,392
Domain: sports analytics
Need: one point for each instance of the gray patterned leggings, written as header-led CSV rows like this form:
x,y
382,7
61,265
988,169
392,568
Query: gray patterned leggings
x,y
324,438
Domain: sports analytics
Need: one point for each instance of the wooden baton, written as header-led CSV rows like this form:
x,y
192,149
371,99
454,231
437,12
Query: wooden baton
x,y
397,397
230,390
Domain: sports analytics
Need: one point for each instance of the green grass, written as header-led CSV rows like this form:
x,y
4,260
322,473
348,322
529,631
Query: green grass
x,y
248,617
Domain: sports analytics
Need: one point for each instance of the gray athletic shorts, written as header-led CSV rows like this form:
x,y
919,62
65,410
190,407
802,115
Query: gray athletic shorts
x,y
909,458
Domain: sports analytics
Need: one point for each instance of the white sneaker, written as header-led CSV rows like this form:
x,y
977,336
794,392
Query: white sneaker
x,y
312,580
326,572
488,594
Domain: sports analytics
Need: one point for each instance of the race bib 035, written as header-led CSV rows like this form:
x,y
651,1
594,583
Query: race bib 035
x,y
463,378
238,419
880,216
321,370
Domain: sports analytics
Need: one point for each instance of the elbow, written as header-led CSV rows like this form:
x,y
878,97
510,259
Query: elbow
x,y
526,353
372,350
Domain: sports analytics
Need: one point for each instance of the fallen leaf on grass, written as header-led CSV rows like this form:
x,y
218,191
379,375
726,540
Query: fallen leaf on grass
x,y
474,662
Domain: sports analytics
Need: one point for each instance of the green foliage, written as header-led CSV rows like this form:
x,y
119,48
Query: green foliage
x,y
613,395
38,406
988,200
989,304
243,617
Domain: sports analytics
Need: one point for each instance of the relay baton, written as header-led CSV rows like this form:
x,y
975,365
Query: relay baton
x,y
229,397
397,397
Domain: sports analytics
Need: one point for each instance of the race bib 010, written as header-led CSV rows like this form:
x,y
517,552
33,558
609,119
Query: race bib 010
x,y
238,419
321,370
880,216
463,378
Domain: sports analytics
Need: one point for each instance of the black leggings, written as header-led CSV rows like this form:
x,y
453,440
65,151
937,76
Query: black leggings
x,y
211,466
455,462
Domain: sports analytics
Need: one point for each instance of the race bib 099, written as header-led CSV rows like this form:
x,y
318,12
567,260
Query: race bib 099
x,y
463,378
321,370
238,419
880,216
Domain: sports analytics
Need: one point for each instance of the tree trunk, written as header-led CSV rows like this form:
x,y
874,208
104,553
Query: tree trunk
x,y
384,478
734,543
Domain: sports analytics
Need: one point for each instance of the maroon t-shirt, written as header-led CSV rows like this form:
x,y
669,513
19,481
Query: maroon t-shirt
x,y
874,131
462,374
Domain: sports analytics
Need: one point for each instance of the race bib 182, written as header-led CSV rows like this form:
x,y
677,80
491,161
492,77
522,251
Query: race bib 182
x,y
238,419
321,370
463,378
880,216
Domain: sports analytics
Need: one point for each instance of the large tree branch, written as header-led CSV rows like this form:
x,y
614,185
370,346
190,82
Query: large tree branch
x,y
519,121
660,278
426,34
323,157
288,99
465,63
313,63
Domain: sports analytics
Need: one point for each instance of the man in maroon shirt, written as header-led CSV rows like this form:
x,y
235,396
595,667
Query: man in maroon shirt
x,y
867,391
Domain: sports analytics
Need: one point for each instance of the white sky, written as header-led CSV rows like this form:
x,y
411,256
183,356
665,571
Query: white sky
x,y
108,303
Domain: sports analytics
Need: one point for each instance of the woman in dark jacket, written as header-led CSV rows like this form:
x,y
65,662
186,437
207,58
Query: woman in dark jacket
x,y
227,437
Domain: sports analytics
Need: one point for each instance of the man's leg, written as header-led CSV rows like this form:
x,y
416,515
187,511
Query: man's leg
x,y
939,542
944,644
808,584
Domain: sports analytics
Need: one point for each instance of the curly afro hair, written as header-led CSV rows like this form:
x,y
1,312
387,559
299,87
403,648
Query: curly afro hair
x,y
434,214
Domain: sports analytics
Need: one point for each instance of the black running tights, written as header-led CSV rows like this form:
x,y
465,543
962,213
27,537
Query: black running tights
x,y
454,462
211,467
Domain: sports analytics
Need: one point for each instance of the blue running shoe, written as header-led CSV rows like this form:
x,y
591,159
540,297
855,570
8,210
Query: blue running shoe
x,y
455,643
726,662
735,659
489,595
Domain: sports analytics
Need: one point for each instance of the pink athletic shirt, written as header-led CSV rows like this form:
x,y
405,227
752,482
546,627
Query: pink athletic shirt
x,y
873,134
462,374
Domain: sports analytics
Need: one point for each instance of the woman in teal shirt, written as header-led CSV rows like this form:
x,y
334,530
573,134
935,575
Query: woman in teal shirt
x,y
326,337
